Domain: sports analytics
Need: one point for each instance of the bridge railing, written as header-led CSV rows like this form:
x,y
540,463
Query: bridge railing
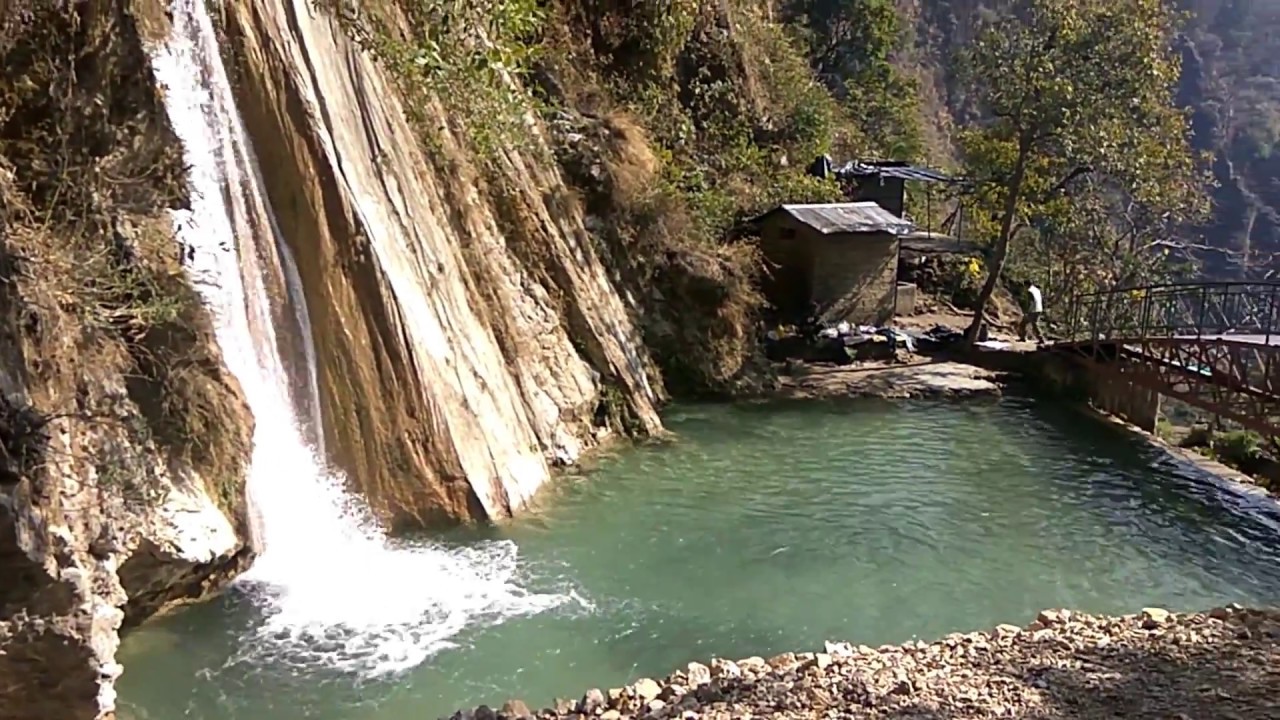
x,y
1177,310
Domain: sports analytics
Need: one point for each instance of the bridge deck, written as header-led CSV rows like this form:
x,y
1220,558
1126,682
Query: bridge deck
x,y
1238,338
1215,345
1242,338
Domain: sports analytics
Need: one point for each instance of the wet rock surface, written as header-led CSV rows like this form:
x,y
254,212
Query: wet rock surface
x,y
914,378
1155,664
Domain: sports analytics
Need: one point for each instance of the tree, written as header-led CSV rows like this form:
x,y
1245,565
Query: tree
x,y
1074,89
852,44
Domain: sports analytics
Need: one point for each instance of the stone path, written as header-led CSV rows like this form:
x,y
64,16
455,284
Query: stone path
x,y
1221,665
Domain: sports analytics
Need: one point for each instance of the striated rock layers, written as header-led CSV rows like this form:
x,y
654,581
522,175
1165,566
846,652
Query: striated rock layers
x,y
464,348
123,439
1157,664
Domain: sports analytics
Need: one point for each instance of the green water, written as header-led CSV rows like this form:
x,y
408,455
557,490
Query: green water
x,y
771,529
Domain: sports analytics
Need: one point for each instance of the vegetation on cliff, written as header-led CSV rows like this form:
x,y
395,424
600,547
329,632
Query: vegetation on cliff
x,y
678,120
91,285
1231,81
706,113
675,122
111,387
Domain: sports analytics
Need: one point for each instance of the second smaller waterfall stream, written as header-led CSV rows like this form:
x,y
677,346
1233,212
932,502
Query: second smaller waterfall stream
x,y
333,591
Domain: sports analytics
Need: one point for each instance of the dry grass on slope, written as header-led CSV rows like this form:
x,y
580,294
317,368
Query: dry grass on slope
x,y
674,129
91,285
699,297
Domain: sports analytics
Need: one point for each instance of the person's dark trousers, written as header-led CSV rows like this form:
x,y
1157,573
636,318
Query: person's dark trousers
x,y
1032,321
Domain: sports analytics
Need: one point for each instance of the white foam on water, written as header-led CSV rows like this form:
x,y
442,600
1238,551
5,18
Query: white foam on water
x,y
334,591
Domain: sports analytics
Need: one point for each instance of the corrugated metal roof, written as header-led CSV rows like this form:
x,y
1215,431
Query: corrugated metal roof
x,y
892,170
922,241
852,217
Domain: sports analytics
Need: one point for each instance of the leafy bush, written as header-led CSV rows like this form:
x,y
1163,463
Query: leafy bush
x,y
470,57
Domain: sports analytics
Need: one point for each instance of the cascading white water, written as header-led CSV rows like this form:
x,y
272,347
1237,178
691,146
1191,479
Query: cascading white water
x,y
333,589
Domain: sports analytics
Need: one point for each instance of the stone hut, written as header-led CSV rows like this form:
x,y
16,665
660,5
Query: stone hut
x,y
841,256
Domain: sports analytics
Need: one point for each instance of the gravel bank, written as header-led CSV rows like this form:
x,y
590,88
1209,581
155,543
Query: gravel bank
x,y
1223,664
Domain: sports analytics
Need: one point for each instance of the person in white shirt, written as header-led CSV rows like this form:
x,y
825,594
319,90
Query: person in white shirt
x,y
1031,316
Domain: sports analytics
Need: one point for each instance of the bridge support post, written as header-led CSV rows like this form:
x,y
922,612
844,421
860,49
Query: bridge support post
x,y
1115,394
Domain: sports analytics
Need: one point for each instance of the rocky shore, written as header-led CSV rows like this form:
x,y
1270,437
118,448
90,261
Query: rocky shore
x,y
919,378
1222,664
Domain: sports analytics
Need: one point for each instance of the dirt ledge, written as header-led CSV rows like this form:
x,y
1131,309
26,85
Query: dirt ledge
x,y
1219,664
920,378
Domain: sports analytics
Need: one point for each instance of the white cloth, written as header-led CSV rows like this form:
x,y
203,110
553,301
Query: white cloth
x,y
1037,302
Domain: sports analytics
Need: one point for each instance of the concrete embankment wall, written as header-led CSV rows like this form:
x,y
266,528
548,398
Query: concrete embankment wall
x,y
1107,389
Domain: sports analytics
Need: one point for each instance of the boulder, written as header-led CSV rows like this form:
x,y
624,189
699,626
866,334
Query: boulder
x,y
646,689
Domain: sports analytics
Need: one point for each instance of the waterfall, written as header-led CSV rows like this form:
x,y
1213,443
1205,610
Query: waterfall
x,y
332,590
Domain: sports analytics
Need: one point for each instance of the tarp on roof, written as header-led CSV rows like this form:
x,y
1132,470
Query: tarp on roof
x,y
891,169
849,217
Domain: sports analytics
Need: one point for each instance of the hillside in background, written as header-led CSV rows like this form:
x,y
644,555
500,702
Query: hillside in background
x,y
1230,84
1231,80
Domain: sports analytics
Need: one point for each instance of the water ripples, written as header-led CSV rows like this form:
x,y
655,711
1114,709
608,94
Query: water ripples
x,y
767,529
933,495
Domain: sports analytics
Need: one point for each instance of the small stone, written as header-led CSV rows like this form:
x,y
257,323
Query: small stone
x,y
646,689
484,712
721,668
655,705
610,715
698,673
1153,618
1220,613
841,649
564,706
615,694
1049,618
709,693
1005,631
515,709
753,664
672,692
782,662
593,700
821,661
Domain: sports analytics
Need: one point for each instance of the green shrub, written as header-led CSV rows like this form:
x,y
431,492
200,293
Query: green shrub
x,y
470,57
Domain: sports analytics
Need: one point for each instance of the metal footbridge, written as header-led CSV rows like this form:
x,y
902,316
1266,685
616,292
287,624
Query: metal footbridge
x,y
1213,345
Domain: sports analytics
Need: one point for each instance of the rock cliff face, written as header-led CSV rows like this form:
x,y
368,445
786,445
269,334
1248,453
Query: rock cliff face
x,y
123,440
472,328
464,348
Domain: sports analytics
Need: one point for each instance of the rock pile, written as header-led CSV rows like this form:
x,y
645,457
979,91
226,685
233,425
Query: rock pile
x,y
1223,664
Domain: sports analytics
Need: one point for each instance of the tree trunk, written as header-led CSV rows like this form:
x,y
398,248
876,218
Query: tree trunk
x,y
1002,243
